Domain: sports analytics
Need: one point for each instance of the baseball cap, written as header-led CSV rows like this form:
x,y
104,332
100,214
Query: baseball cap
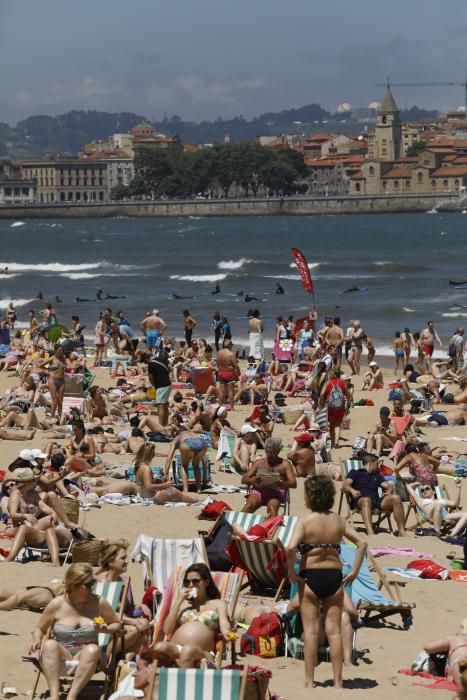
x,y
247,428
373,364
23,474
29,456
303,437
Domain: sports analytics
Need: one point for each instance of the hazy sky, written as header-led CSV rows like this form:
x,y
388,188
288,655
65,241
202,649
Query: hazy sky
x,y
202,59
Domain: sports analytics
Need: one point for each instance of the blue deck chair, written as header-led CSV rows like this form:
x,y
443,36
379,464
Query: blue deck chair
x,y
420,516
367,594
199,684
157,473
177,473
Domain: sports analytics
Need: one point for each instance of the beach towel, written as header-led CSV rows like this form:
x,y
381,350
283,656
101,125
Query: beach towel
x,y
164,555
439,682
399,552
256,345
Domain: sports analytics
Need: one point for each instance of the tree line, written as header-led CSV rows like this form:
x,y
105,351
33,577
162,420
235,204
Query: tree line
x,y
173,173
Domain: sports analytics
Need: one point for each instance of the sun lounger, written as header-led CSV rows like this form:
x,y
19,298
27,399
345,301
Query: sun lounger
x,y
347,465
200,684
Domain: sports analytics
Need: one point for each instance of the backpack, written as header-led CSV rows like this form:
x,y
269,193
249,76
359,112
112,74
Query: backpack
x,y
263,637
336,397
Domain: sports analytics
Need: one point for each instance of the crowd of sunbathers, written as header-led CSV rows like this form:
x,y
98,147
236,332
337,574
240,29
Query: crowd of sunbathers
x,y
184,394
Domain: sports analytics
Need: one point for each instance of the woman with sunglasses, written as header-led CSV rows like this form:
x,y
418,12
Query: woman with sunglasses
x,y
194,622
73,620
436,509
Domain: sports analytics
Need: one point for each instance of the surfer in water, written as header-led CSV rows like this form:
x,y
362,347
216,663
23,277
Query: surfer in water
x,y
279,289
180,296
354,289
216,290
250,297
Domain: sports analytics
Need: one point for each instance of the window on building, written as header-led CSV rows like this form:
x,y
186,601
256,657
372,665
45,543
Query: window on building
x,y
371,171
445,184
385,185
426,161
25,191
85,196
42,198
407,184
78,196
62,196
384,120
456,184
101,196
396,184
7,191
357,187
70,196
433,184
419,178
384,151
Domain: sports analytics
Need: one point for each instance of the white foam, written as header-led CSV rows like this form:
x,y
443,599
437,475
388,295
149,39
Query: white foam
x,y
199,278
311,266
79,275
455,314
50,267
382,262
409,311
15,302
282,277
17,223
233,264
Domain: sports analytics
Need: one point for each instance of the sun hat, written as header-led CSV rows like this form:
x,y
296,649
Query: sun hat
x,y
29,456
38,454
247,428
346,377
373,364
23,474
221,410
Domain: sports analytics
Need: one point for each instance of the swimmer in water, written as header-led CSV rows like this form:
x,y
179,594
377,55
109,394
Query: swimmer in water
x,y
279,289
216,290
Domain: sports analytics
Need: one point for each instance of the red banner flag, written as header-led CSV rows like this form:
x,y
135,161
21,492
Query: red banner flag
x,y
304,270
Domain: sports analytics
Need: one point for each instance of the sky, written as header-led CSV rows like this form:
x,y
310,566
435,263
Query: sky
x,y
204,59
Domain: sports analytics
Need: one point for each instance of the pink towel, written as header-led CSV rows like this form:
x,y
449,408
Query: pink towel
x,y
399,552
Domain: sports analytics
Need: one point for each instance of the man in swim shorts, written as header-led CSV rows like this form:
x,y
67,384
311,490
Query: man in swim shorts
x,y
159,376
153,327
269,478
228,372
427,340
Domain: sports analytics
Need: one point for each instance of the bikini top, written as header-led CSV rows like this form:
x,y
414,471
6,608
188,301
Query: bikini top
x,y
304,547
65,635
210,618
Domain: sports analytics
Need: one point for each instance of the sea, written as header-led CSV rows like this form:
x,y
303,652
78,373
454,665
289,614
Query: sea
x,y
400,263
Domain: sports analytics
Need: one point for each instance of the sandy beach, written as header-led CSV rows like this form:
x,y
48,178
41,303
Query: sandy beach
x,y
440,605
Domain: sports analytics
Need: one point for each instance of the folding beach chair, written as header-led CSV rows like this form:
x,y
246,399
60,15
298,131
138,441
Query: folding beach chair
x,y
199,684
204,470
157,473
420,517
262,560
163,556
115,593
347,465
202,378
229,585
366,591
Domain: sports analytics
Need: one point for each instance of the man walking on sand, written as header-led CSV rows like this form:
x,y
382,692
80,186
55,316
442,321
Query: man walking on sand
x,y
427,340
153,326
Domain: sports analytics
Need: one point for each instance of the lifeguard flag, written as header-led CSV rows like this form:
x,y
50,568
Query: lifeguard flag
x,y
304,270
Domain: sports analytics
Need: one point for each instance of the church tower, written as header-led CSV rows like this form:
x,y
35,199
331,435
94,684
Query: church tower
x,y
388,129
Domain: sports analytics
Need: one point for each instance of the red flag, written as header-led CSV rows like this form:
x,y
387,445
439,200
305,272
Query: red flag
x,y
304,270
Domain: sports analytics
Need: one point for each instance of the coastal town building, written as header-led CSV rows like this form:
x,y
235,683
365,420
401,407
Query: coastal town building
x,y
14,191
68,180
120,167
144,135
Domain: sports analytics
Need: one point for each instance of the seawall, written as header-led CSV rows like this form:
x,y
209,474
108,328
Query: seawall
x,y
287,206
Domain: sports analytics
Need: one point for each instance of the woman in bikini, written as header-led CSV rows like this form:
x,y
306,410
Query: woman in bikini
x,y
56,381
192,445
317,536
194,622
160,491
32,598
436,509
419,465
82,452
356,346
456,646
74,622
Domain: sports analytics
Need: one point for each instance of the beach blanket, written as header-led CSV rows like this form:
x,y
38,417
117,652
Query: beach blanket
x,y
399,552
164,555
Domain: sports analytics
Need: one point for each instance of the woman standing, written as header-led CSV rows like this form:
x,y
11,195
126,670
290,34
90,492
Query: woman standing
x,y
317,536
255,329
56,381
99,341
188,324
193,445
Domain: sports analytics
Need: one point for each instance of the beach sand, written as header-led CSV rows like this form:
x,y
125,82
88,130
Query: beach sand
x,y
440,605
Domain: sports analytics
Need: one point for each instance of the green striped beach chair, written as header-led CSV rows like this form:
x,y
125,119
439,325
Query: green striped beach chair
x,y
115,593
347,465
200,684
258,557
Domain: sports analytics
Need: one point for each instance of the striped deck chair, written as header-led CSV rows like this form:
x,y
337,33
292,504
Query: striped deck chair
x,y
71,402
228,583
420,516
366,591
163,556
347,465
199,684
258,557
115,593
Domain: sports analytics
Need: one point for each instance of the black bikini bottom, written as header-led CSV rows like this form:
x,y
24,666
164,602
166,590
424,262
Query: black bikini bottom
x,y
322,582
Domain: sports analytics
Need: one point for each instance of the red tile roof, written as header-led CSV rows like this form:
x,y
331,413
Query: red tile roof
x,y
450,171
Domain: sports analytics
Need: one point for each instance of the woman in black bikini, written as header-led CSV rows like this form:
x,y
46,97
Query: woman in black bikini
x,y
320,581
56,381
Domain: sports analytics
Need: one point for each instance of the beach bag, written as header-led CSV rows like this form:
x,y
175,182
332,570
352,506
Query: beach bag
x,y
213,510
336,398
216,545
263,637
257,683
429,569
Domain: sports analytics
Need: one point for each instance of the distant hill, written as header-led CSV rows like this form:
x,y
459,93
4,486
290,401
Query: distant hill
x,y
66,133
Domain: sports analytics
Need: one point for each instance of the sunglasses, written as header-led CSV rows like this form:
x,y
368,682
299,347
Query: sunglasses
x,y
191,582
88,584
425,488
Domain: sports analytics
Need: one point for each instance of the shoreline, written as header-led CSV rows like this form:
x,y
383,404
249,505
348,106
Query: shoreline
x,y
271,206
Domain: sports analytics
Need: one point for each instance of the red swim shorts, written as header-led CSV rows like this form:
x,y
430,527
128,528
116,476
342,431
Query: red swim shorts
x,y
428,349
227,376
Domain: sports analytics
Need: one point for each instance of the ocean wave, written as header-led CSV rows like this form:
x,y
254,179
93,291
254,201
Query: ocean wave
x,y
80,275
199,278
282,277
455,314
15,302
15,224
407,310
51,267
233,264
311,266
